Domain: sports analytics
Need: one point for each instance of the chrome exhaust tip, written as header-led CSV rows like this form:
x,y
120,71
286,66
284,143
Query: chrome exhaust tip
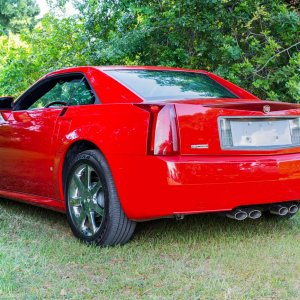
x,y
237,214
293,209
279,210
254,214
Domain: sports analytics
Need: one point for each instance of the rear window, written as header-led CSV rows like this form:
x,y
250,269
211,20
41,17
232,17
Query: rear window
x,y
172,85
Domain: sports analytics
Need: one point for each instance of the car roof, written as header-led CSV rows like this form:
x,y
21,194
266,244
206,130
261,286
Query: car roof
x,y
108,68
152,68
115,91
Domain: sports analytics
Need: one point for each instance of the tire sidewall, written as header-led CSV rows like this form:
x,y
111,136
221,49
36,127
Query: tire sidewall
x,y
97,165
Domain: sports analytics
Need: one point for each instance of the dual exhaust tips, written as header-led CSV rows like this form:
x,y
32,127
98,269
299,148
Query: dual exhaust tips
x,y
242,214
253,213
283,210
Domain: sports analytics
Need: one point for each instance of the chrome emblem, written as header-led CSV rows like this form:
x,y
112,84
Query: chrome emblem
x,y
266,109
199,146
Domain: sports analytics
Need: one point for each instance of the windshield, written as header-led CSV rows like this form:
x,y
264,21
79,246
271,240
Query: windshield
x,y
170,85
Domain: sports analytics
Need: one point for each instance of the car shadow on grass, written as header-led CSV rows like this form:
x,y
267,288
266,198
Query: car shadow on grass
x,y
201,227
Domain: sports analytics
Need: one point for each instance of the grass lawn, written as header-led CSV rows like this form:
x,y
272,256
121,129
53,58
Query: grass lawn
x,y
201,257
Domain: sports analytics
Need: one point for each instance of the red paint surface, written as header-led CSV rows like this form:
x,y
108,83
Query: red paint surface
x,y
33,145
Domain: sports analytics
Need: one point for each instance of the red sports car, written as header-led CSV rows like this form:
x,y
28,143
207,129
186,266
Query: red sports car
x,y
111,146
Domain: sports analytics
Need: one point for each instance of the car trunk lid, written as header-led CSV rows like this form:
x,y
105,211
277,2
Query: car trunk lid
x,y
267,126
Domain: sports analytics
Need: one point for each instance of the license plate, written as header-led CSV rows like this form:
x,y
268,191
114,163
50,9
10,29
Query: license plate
x,y
260,133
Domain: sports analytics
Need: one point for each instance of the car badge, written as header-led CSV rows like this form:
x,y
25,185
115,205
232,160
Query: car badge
x,y
266,109
199,146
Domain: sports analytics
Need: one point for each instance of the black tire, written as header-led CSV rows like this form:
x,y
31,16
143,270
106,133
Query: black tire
x,y
114,228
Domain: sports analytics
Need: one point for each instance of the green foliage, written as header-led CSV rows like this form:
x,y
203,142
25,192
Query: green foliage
x,y
254,43
16,15
52,45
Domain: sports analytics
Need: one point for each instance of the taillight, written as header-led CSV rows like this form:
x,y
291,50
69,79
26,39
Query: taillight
x,y
163,133
165,140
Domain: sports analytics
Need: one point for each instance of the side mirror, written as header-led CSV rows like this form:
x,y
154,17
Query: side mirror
x,y
6,103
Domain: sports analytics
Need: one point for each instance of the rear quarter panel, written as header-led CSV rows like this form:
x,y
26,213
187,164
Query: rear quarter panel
x,y
118,130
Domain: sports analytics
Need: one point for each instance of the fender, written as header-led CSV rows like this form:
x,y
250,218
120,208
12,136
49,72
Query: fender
x,y
80,134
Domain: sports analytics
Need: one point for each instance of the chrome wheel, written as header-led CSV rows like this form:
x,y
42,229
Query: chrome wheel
x,y
94,211
86,199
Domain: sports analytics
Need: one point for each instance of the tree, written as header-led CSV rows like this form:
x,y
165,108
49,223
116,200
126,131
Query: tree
x,y
16,15
253,43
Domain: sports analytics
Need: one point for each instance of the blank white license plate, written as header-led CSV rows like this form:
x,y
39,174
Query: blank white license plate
x,y
260,133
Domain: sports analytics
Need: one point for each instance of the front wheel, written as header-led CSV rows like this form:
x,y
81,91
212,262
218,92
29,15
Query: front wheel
x,y
94,211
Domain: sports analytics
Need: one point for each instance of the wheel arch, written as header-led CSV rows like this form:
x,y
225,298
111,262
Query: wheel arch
x,y
74,149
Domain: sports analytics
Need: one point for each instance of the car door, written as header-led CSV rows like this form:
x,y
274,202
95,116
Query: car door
x,y
27,135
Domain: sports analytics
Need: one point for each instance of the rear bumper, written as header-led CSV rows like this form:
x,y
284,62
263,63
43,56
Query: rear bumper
x,y
153,187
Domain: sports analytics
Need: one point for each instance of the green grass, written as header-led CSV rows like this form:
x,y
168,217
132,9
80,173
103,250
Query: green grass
x,y
201,257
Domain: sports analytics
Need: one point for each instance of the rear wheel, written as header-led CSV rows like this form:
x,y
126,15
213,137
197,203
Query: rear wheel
x,y
94,211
